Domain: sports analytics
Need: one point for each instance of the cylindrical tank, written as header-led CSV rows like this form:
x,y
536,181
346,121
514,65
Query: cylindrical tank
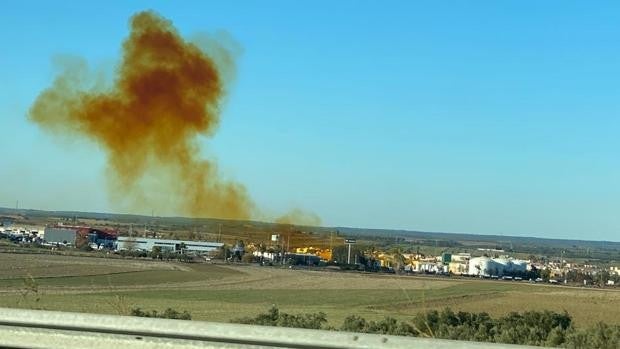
x,y
502,261
488,266
480,266
473,266
519,266
497,266
502,266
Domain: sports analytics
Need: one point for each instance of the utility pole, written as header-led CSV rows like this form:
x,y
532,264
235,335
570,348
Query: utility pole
x,y
281,240
349,255
349,242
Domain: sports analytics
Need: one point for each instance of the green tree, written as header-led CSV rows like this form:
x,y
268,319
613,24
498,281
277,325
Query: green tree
x,y
545,274
602,277
601,336
354,323
169,313
340,254
541,328
397,260
156,252
223,252
273,317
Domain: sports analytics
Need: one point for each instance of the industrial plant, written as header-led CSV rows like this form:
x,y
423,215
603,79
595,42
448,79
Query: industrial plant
x,y
148,244
487,267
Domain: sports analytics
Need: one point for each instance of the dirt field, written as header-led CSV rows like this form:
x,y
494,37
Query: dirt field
x,y
41,265
224,292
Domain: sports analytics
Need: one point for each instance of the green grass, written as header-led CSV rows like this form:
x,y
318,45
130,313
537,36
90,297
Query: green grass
x,y
147,277
224,305
63,271
221,293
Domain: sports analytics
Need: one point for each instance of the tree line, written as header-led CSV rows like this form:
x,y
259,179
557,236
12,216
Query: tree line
x,y
540,328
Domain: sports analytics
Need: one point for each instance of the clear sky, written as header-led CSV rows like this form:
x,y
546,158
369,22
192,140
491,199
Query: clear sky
x,y
464,116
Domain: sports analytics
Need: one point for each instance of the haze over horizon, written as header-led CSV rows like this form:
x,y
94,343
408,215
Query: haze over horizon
x,y
344,228
480,118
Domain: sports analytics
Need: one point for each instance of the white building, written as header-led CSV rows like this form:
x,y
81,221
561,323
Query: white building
x,y
270,256
485,266
147,244
461,257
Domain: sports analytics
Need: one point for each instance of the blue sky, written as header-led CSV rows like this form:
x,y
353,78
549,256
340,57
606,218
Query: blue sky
x,y
481,117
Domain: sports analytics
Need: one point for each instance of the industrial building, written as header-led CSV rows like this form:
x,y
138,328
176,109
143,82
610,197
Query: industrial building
x,y
303,259
485,266
147,244
60,235
458,263
78,236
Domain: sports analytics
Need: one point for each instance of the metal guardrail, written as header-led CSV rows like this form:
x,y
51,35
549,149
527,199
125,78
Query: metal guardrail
x,y
51,329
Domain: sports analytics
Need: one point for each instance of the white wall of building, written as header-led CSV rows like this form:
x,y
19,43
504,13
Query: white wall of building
x,y
485,266
147,244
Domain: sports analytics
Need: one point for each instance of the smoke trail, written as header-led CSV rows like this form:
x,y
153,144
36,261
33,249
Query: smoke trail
x,y
166,92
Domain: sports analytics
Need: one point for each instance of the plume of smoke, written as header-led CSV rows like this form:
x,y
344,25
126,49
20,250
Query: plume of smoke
x,y
299,217
165,93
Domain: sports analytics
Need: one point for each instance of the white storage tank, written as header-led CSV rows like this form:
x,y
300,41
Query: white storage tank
x,y
504,266
480,266
519,266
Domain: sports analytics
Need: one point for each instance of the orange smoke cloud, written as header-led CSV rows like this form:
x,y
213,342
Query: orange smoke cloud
x,y
166,92
299,217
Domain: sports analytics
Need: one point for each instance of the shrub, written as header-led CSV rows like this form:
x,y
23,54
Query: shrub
x,y
169,313
273,317
542,328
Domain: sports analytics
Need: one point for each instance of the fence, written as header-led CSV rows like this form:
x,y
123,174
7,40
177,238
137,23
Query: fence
x,y
50,329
